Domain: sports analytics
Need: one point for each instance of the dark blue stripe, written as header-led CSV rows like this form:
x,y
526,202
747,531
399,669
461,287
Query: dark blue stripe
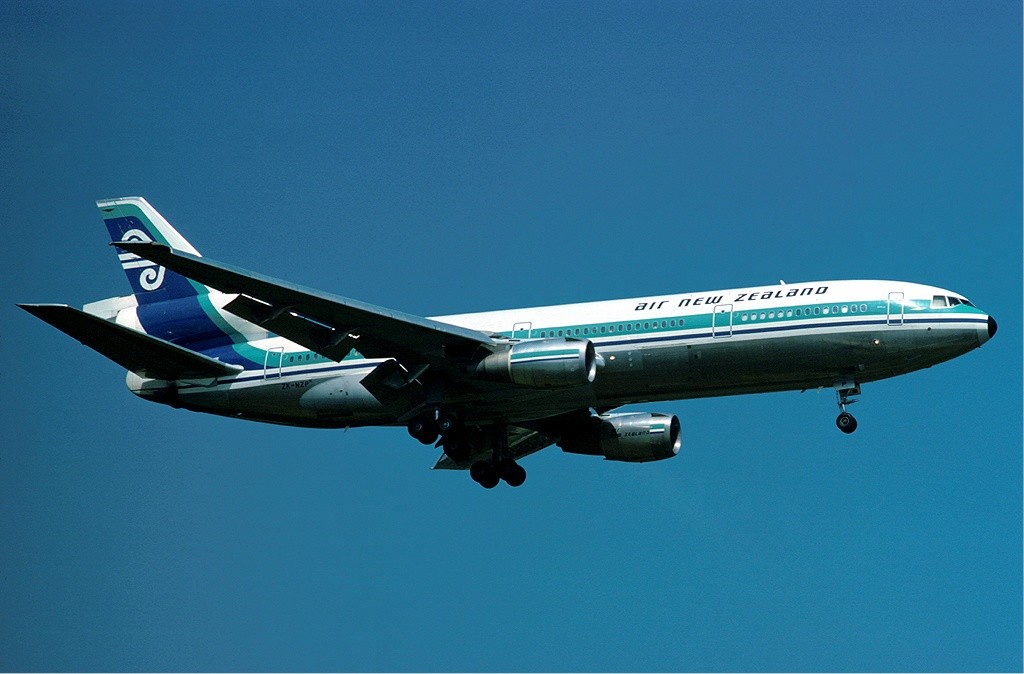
x,y
783,328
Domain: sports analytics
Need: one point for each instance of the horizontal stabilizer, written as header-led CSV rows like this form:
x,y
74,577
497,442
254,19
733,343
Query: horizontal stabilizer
x,y
143,354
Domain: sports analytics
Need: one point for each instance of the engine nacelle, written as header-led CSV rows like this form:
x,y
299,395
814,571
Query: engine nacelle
x,y
543,363
633,437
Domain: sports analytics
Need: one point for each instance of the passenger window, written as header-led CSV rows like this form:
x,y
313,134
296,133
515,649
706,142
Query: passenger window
x,y
743,317
789,313
824,311
762,315
817,311
863,307
844,309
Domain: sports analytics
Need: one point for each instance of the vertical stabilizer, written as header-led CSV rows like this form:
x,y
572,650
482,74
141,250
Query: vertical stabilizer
x,y
133,219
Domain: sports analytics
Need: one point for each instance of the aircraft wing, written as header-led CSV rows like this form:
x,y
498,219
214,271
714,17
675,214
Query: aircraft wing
x,y
521,442
143,354
328,324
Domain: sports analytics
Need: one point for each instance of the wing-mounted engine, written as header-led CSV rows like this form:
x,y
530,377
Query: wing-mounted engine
x,y
633,437
542,363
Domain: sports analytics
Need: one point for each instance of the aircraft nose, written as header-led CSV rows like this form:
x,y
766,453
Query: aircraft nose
x,y
992,327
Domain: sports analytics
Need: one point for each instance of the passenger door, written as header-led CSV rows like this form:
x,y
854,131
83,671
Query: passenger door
x,y
721,321
894,313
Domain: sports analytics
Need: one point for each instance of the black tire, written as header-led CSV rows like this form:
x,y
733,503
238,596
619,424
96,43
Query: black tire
x,y
424,430
846,423
513,474
456,448
445,424
484,474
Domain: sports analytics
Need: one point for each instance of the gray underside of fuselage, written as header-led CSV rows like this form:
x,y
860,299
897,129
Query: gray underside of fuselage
x,y
731,365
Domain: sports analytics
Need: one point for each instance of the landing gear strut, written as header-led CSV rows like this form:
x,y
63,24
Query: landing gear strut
x,y
845,390
501,466
460,442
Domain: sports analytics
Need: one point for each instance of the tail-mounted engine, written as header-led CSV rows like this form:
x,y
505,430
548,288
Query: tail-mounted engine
x,y
634,437
542,363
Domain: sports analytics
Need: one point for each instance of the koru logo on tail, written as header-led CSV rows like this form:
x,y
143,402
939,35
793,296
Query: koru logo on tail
x,y
152,275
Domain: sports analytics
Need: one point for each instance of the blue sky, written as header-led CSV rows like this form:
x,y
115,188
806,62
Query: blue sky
x,y
448,157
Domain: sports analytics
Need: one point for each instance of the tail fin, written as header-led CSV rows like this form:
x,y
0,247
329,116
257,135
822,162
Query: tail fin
x,y
133,219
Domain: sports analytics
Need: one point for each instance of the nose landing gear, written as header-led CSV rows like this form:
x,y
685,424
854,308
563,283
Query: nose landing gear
x,y
845,389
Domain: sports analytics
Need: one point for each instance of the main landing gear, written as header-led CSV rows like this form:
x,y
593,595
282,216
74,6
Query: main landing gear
x,y
502,465
461,442
487,474
428,427
845,390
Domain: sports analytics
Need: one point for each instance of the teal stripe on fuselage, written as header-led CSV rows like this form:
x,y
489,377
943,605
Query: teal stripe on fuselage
x,y
696,327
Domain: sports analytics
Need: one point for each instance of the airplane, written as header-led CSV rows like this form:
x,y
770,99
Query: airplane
x,y
491,388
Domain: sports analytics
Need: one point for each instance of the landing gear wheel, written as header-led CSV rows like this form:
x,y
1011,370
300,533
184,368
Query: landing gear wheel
x,y
513,474
846,423
484,474
845,390
445,424
423,429
456,448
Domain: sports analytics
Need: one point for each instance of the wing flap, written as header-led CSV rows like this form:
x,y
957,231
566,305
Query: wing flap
x,y
143,354
327,341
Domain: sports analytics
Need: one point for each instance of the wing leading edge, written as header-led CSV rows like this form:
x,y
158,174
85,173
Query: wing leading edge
x,y
143,354
328,324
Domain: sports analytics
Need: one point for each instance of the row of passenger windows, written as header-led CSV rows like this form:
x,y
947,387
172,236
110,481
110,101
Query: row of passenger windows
x,y
621,327
816,311
674,323
299,358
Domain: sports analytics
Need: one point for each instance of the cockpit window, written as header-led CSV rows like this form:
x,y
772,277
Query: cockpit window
x,y
939,302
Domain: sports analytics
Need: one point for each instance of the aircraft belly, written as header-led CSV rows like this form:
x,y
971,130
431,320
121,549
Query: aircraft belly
x,y
736,365
731,365
335,401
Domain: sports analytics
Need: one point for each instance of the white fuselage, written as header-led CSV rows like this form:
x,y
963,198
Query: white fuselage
x,y
674,346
